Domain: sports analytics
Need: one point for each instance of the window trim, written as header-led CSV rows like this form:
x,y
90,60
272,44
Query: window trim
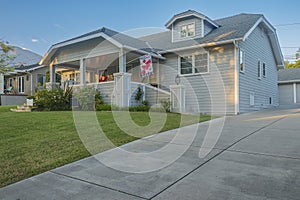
x,y
193,64
37,78
241,51
187,24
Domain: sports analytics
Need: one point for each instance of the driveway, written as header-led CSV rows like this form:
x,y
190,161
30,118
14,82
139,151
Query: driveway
x,y
257,156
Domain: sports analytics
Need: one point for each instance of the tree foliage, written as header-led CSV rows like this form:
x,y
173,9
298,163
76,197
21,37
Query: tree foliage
x,y
296,64
5,58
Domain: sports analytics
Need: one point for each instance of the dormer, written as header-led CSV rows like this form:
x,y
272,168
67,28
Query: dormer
x,y
190,25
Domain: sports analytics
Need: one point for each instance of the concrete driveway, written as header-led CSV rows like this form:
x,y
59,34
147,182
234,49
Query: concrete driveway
x,y
256,157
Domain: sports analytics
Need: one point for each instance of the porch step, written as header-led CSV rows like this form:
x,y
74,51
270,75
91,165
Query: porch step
x,y
21,109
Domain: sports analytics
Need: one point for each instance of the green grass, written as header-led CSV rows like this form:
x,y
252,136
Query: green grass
x,y
32,143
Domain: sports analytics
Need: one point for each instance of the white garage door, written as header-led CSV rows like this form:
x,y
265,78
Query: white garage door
x,y
286,94
298,92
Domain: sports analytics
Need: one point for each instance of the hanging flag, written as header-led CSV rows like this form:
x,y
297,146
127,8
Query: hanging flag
x,y
146,66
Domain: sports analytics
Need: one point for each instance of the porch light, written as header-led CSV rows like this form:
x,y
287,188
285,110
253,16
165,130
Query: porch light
x,y
177,79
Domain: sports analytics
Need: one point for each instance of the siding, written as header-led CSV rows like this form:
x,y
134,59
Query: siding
x,y
207,28
257,47
106,91
179,23
199,97
92,47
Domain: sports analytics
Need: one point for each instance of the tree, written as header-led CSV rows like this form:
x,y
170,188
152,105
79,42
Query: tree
x,y
296,64
5,58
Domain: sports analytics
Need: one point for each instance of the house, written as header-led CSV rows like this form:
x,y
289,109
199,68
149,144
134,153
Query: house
x,y
225,66
26,79
289,86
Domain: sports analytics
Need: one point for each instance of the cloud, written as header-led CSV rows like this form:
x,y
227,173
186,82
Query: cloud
x,y
58,26
34,40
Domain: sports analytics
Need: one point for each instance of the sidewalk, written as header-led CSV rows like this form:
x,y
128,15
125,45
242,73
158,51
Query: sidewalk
x,y
256,157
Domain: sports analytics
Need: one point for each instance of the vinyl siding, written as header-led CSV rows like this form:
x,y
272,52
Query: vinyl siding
x,y
207,27
88,48
221,61
257,47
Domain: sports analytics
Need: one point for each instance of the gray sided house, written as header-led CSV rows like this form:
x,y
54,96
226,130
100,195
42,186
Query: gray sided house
x,y
25,80
226,66
289,86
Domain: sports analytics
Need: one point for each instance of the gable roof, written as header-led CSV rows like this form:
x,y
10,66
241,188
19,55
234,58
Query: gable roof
x,y
28,68
118,39
289,75
23,57
233,28
189,13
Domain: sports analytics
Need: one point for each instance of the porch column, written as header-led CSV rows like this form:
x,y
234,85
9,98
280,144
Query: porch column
x,y
1,83
177,98
122,61
82,70
52,74
122,90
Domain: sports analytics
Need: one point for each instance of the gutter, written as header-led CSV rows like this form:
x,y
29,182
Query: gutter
x,y
289,81
210,44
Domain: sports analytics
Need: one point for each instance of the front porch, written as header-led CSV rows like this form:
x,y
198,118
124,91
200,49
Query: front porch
x,y
108,61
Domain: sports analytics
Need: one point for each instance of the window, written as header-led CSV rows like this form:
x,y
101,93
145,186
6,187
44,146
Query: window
x,y
194,64
187,30
21,82
264,69
201,63
186,66
10,82
41,79
258,70
241,60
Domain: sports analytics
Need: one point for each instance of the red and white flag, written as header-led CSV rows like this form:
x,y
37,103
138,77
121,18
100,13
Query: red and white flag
x,y
146,66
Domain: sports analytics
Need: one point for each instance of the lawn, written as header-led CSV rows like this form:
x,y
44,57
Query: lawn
x,y
32,143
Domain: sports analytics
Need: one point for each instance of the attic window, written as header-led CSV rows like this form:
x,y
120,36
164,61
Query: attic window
x,y
187,30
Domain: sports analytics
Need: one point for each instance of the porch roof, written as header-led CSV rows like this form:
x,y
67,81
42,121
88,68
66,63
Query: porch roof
x,y
118,39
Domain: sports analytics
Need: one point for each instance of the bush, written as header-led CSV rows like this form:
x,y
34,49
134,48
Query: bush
x,y
166,104
88,98
103,107
53,100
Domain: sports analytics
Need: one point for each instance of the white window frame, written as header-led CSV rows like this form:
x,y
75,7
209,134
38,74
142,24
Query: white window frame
x,y
186,25
193,64
243,60
22,88
258,70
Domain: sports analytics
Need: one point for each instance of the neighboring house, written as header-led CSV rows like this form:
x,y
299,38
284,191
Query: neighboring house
x,y
26,79
289,86
226,65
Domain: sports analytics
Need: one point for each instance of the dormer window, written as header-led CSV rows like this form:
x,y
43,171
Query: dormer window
x,y
187,30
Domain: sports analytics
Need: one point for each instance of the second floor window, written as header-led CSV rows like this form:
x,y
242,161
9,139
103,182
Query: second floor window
x,y
187,30
258,70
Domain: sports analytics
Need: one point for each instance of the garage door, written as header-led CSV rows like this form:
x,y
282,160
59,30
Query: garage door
x,y
298,92
286,94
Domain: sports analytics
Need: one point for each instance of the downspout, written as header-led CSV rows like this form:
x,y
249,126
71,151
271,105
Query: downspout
x,y
236,79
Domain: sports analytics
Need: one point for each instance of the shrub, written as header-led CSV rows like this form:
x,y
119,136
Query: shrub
x,y
88,98
166,104
103,107
53,100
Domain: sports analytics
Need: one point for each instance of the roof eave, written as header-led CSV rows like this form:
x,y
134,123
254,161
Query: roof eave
x,y
203,17
209,44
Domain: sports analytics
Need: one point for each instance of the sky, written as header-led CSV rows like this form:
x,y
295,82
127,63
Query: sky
x,y
38,24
